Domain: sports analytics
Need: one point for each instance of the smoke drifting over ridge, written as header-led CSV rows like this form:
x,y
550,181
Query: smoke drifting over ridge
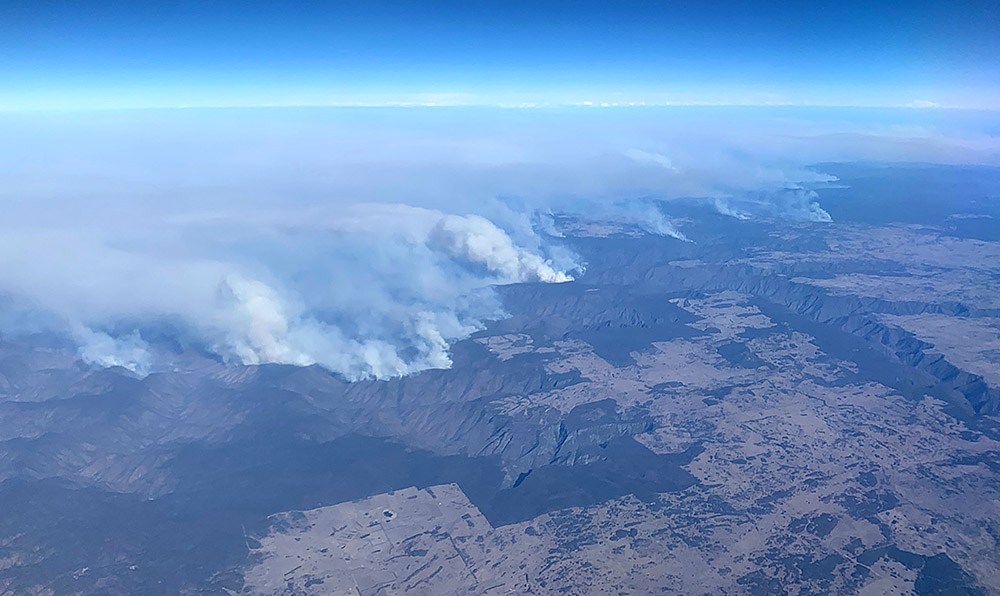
x,y
413,332
362,241
375,291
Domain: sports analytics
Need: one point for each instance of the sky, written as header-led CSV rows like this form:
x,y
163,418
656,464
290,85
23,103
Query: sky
x,y
158,53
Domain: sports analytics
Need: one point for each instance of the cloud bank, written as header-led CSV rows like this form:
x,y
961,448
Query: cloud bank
x,y
367,241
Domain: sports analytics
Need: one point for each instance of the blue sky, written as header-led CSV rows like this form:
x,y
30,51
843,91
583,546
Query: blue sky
x,y
227,53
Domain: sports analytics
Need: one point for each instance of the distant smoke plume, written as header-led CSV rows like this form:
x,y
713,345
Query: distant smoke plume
x,y
794,204
126,351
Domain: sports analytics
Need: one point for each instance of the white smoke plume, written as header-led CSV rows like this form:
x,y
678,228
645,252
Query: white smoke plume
x,y
258,329
126,351
795,204
260,326
367,291
477,240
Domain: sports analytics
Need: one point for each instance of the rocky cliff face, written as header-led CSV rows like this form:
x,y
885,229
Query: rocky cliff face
x,y
857,315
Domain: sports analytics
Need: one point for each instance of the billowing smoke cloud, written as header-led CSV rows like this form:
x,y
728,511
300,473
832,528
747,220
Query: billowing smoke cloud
x,y
476,240
367,241
126,351
374,291
411,327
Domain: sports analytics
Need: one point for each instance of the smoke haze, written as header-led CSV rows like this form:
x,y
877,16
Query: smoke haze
x,y
368,240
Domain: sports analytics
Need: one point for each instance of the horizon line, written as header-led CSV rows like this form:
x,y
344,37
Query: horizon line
x,y
597,105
